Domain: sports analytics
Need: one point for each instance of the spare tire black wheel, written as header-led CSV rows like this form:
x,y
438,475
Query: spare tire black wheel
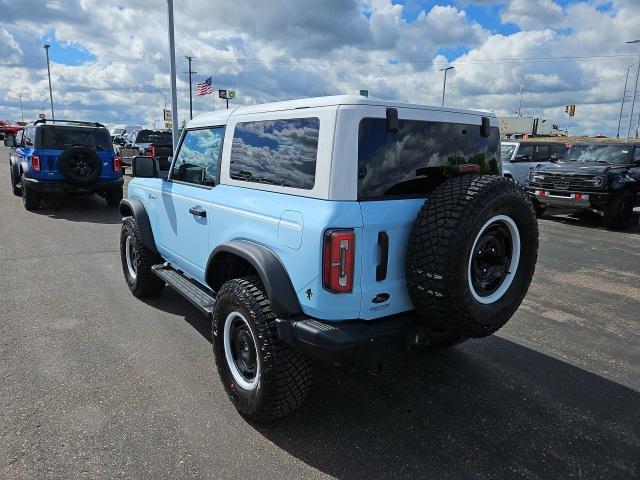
x,y
80,166
471,254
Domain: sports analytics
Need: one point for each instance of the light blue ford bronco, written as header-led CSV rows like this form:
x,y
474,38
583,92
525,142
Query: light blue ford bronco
x,y
334,229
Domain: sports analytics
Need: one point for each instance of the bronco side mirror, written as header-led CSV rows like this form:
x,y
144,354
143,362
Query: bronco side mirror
x,y
9,142
145,167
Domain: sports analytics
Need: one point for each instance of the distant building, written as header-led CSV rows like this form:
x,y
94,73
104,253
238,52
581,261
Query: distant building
x,y
524,127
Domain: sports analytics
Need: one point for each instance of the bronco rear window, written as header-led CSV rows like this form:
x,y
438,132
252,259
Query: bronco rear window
x,y
276,152
410,161
62,137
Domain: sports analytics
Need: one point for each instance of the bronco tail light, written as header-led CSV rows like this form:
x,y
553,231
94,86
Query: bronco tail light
x,y
117,164
337,261
35,162
151,151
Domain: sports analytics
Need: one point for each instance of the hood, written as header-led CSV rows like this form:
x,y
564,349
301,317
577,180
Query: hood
x,y
576,168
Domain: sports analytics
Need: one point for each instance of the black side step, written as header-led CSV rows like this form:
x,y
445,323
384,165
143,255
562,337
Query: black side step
x,y
186,287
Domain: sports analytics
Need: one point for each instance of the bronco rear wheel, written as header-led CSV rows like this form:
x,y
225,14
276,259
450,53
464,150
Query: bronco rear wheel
x,y
472,254
264,378
137,261
31,199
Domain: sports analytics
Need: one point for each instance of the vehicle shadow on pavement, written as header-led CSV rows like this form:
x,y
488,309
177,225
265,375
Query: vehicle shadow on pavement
x,y
489,408
173,303
486,408
80,208
589,219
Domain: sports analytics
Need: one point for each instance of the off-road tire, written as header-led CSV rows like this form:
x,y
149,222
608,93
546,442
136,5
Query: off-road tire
x,y
146,283
15,184
439,253
539,208
80,166
285,375
619,211
31,199
113,196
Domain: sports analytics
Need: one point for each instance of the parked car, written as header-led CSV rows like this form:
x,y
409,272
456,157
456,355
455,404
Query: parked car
x,y
63,156
9,128
604,177
334,228
118,131
518,158
153,143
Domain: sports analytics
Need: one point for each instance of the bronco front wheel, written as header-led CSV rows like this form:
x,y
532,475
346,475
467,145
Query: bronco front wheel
x,y
264,378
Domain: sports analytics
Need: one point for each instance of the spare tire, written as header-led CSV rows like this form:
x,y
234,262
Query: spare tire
x,y
471,254
80,166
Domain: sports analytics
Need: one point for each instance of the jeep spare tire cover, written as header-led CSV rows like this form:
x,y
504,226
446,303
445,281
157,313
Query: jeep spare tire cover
x,y
471,254
80,166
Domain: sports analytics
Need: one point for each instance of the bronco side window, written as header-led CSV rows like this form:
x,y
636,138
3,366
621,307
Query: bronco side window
x,y
197,159
276,152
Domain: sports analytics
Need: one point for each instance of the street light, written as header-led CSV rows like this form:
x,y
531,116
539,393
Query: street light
x,y
46,49
444,85
635,90
174,90
624,94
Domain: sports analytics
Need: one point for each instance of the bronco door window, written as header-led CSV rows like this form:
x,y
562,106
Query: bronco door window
x,y
410,162
276,152
198,157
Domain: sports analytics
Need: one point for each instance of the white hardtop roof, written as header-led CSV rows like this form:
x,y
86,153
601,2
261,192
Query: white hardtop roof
x,y
220,117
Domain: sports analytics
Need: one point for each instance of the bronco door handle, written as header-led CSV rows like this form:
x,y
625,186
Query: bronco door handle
x,y
381,269
197,211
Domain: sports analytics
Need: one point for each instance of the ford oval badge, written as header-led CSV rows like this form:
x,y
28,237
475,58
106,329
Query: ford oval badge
x,y
380,298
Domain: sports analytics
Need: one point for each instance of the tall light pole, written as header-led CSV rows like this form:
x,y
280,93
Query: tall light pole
x,y
624,94
46,49
21,110
174,90
635,91
444,84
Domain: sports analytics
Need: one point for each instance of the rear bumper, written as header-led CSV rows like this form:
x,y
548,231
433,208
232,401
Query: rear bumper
x,y
60,186
351,344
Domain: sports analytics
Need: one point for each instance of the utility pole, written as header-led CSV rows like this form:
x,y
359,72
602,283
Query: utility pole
x,y
174,90
444,85
635,91
191,74
46,49
624,94
21,110
520,105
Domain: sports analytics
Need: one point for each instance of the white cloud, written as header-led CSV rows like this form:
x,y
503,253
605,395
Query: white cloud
x,y
294,48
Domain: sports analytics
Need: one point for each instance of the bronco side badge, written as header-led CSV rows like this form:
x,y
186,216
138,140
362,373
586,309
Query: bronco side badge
x,y
380,298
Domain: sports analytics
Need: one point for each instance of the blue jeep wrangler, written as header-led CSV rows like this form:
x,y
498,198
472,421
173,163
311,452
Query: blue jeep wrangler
x,y
64,156
334,229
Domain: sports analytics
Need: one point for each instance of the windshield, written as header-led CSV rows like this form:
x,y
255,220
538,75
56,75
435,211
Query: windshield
x,y
507,151
62,137
148,136
598,154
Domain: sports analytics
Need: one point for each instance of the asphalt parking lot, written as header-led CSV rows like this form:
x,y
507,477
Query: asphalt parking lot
x,y
97,384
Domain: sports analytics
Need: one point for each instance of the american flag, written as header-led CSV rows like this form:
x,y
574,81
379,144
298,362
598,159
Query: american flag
x,y
204,88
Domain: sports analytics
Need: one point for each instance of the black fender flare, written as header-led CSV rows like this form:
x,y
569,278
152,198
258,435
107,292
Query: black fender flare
x,y
275,278
133,207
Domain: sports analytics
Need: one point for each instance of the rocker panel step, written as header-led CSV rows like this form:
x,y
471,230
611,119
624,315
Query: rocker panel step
x,y
185,287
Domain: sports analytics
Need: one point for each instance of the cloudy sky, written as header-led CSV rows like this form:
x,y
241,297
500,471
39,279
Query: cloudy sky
x,y
109,57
